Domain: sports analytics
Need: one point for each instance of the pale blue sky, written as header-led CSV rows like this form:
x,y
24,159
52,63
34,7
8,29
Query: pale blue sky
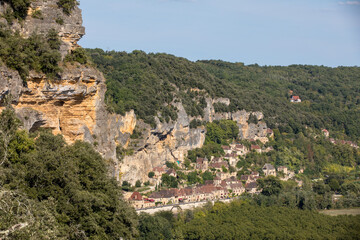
x,y
267,32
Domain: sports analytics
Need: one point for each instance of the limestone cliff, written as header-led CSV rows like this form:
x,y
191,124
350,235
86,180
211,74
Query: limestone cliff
x,y
50,16
73,105
171,141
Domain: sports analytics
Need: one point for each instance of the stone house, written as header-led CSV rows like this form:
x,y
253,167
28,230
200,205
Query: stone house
x,y
326,133
268,149
283,169
137,201
269,169
251,187
232,159
135,196
159,171
216,159
186,195
295,99
217,181
166,196
202,163
256,148
270,132
246,178
219,165
240,150
171,172
223,175
227,149
237,188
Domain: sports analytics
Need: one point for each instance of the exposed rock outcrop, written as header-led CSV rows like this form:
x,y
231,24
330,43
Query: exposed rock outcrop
x,y
74,106
171,141
50,16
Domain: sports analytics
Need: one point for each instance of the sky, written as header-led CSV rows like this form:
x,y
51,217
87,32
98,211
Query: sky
x,y
266,32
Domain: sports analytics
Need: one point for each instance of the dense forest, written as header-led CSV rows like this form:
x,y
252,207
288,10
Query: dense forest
x,y
148,83
246,220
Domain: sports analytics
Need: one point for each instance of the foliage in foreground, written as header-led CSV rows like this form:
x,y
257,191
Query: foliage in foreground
x,y
242,220
55,189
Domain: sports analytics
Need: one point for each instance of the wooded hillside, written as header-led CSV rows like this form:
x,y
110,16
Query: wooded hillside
x,y
145,82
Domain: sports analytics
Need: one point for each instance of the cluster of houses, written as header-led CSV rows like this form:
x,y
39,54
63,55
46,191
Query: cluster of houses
x,y
225,183
343,142
231,157
326,133
219,188
210,190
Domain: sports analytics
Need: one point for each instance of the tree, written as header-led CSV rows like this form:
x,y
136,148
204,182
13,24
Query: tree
x,y
320,188
138,184
9,124
334,184
207,176
154,227
192,177
151,174
253,119
270,185
169,181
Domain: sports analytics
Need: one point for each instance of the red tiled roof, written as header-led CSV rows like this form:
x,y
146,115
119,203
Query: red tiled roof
x,y
255,147
244,177
158,169
295,98
136,196
219,164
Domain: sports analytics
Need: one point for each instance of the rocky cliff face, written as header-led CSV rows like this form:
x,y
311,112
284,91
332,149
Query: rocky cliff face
x,y
170,142
50,16
74,106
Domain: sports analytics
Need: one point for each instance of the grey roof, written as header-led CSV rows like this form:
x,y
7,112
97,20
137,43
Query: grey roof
x,y
268,166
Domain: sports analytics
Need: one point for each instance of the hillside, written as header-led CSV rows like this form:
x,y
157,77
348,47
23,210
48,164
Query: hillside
x,y
148,83
70,137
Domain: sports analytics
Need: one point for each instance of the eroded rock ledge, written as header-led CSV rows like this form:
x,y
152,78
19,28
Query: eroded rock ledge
x,y
73,105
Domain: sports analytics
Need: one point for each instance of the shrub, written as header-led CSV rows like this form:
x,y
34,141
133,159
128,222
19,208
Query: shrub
x,y
77,55
19,8
37,53
67,5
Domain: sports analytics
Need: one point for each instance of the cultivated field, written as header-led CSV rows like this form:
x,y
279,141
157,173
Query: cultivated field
x,y
337,212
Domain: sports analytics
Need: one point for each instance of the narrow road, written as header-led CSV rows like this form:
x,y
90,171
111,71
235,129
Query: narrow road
x,y
183,206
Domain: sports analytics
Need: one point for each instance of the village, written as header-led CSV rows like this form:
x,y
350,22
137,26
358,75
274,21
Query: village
x,y
225,183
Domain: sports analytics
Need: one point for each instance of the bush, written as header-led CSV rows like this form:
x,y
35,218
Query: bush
x,y
19,8
67,5
35,53
77,55
151,174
